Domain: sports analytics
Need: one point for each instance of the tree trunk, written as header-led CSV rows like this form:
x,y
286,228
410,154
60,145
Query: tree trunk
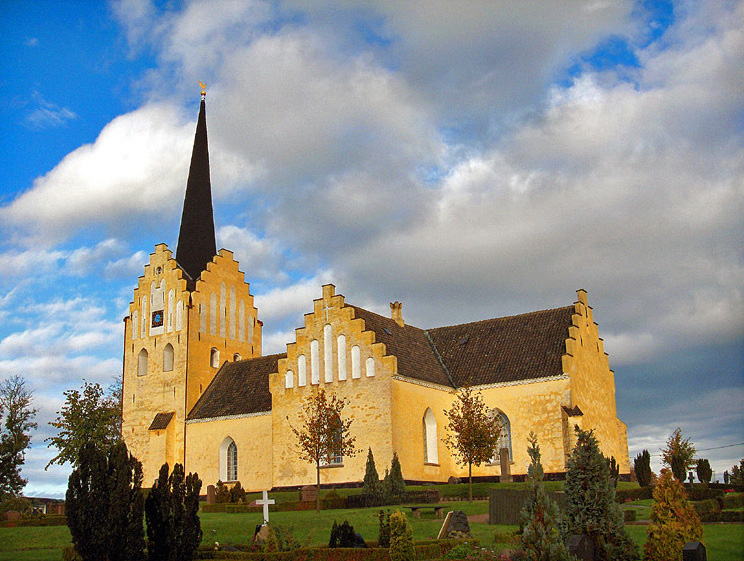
x,y
317,488
470,478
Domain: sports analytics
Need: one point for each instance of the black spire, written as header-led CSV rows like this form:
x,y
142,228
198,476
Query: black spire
x,y
196,241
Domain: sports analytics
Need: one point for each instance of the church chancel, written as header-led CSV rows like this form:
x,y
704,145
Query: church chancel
x,y
198,391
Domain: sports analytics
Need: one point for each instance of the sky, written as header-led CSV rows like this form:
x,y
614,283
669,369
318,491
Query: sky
x,y
470,159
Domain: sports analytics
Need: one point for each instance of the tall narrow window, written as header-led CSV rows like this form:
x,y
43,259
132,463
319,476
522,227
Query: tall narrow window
x,y
143,331
213,314
168,358
233,310
328,353
241,321
171,309
223,310
202,318
356,362
142,363
135,324
179,315
228,460
504,434
289,379
341,350
370,367
301,371
314,360
431,453
214,358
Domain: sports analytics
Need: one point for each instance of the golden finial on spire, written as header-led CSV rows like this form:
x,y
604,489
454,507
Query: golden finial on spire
x,y
204,88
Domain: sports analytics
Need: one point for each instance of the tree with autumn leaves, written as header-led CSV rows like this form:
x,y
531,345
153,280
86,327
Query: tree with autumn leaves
x,y
323,433
473,431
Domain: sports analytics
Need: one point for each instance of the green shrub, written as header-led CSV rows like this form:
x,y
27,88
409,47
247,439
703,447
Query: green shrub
x,y
642,467
342,535
731,500
674,521
383,537
222,493
630,515
372,485
704,472
701,493
401,541
237,493
626,495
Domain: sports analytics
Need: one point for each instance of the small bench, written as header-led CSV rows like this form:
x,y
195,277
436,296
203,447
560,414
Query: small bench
x,y
416,510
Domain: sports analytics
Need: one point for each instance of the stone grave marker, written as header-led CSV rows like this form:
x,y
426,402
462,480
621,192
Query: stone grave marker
x,y
307,494
582,547
505,465
694,551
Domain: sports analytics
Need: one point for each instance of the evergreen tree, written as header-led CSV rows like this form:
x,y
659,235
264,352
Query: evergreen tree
x,y
173,527
383,537
674,521
678,468
104,505
237,493
704,471
397,483
591,508
372,486
642,465
540,516
736,477
401,538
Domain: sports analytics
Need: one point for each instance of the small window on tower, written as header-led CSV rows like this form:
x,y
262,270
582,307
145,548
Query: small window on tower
x,y
237,357
214,358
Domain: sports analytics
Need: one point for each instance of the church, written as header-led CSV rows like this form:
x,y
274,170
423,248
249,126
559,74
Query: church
x,y
198,391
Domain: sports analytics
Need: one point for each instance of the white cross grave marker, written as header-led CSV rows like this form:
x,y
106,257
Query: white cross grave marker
x,y
265,502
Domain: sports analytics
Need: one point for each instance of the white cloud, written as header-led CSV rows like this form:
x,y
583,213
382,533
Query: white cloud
x,y
47,114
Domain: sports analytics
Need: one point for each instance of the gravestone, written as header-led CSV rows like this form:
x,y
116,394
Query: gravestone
x,y
265,502
454,480
211,495
456,526
261,534
694,551
582,547
505,465
307,494
359,542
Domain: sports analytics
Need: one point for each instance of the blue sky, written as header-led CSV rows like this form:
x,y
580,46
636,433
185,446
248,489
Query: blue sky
x,y
470,163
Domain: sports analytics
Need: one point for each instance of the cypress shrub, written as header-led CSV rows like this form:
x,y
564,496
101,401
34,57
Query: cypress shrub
x,y
383,537
372,486
642,466
674,521
397,483
342,535
704,471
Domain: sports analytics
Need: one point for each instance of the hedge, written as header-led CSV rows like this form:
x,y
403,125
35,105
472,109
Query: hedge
x,y
640,493
733,501
708,510
431,549
702,493
44,520
352,501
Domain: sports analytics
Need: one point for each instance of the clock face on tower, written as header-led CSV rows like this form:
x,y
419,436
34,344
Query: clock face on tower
x,y
157,318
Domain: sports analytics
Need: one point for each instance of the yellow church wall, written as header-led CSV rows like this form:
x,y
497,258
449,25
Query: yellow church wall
x,y
593,385
220,327
368,397
156,391
252,436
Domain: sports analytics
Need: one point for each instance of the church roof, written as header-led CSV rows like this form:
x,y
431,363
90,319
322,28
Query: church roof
x,y
411,345
196,239
508,349
501,350
239,388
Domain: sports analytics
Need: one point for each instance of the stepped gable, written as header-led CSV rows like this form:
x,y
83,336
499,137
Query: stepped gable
x,y
508,349
416,358
238,388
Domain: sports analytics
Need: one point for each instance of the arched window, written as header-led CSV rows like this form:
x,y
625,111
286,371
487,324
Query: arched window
x,y
314,359
504,434
228,460
370,367
202,318
328,353
143,320
214,358
341,350
237,357
179,315
289,379
142,363
356,362
223,310
171,304
301,370
168,358
241,321
431,453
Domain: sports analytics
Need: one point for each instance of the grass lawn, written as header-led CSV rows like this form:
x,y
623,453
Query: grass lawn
x,y
724,542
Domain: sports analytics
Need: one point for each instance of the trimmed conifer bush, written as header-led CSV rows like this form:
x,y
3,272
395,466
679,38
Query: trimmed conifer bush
x,y
540,517
401,538
383,537
397,483
642,466
674,521
704,471
591,508
372,486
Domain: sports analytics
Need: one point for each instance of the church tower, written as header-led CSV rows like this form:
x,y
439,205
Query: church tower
x,y
188,316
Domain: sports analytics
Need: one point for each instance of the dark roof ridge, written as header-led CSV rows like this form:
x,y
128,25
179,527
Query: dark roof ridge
x,y
439,358
275,355
526,314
